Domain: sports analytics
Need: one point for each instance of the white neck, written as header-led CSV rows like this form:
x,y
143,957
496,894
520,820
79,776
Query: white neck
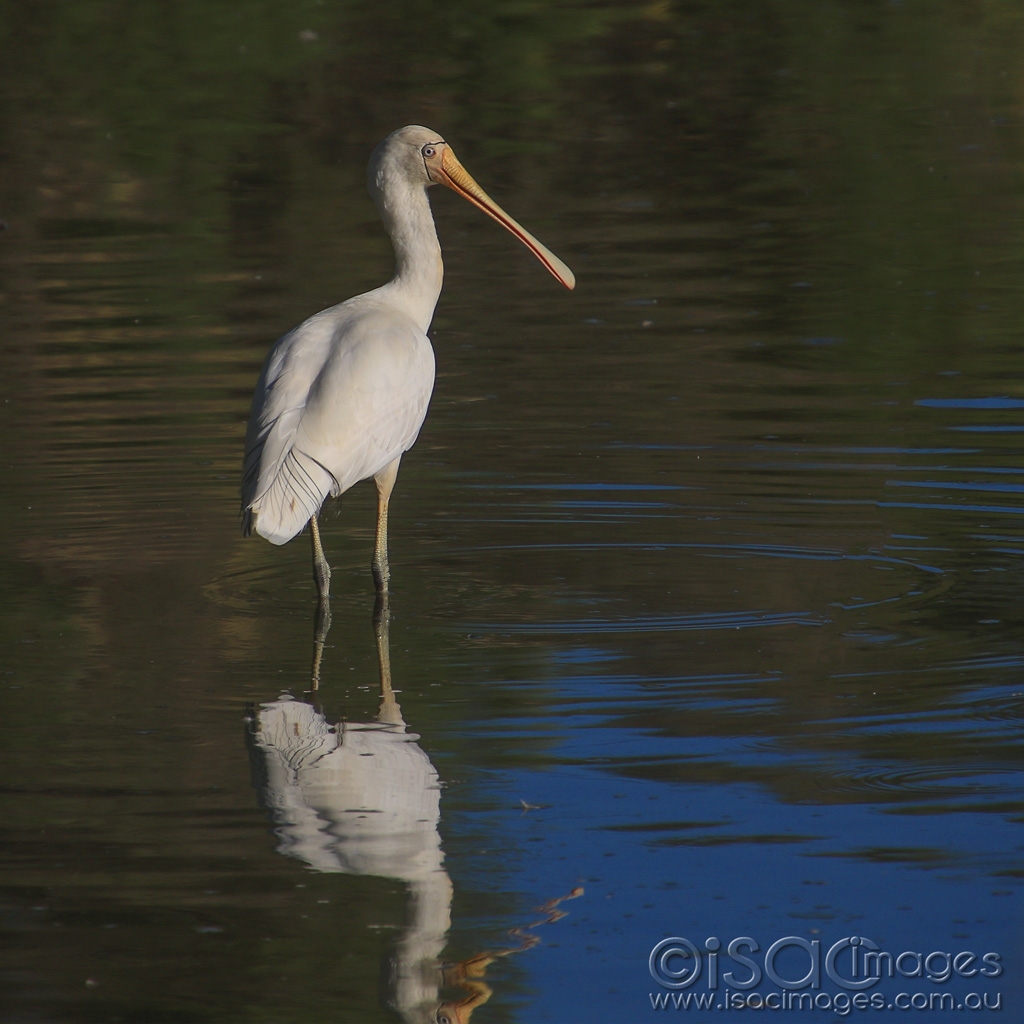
x,y
405,211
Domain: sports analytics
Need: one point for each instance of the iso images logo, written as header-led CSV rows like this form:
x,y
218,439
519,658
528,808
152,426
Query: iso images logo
x,y
723,976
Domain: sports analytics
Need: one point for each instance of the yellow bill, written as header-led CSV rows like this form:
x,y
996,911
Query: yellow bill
x,y
458,179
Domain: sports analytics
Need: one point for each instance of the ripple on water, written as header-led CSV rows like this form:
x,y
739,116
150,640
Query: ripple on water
x,y
660,623
855,585
911,782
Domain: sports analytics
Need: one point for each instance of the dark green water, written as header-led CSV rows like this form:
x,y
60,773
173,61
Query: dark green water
x,y
707,576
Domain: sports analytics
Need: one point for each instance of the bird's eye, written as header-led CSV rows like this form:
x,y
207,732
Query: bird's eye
x,y
428,151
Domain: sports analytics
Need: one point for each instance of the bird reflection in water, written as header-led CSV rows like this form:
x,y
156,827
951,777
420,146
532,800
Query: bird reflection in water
x,y
362,798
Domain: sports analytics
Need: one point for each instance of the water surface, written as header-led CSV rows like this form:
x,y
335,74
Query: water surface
x,y
707,576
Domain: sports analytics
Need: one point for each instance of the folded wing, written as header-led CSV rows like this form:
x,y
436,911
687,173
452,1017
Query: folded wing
x,y
340,397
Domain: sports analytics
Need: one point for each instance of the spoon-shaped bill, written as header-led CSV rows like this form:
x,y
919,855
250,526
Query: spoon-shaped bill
x,y
458,179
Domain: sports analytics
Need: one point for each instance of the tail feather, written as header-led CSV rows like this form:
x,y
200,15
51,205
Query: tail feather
x,y
294,496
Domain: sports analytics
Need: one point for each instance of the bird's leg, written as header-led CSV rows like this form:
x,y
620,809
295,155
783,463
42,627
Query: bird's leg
x,y
385,481
321,570
381,569
322,575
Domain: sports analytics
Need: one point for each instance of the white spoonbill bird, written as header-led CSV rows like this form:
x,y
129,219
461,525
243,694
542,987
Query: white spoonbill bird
x,y
343,395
